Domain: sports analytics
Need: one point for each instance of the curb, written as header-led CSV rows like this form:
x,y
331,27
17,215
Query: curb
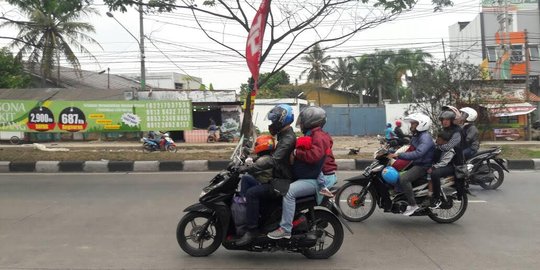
x,y
187,165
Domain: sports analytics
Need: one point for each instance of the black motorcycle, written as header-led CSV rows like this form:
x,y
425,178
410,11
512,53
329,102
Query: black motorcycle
x,y
486,169
317,230
358,198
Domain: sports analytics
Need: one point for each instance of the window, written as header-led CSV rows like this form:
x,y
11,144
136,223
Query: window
x,y
534,54
508,120
517,53
492,53
178,86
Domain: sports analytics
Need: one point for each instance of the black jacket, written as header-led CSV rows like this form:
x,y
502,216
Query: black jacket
x,y
399,133
280,158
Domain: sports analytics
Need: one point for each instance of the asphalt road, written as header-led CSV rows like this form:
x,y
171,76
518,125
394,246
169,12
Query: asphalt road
x,y
128,221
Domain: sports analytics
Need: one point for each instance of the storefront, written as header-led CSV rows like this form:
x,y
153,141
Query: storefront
x,y
508,121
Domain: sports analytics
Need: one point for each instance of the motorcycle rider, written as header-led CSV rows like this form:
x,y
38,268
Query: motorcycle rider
x,y
389,133
471,134
449,116
421,157
442,165
264,147
401,137
314,164
281,117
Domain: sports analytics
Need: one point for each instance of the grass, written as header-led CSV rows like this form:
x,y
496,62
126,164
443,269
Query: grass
x,y
512,152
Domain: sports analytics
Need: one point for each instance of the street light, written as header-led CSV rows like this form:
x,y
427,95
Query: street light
x,y
141,47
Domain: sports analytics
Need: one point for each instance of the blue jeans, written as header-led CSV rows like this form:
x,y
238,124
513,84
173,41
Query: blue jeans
x,y
247,182
300,188
468,153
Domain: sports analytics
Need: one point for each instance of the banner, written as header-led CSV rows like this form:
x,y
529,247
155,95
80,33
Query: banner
x,y
255,39
95,116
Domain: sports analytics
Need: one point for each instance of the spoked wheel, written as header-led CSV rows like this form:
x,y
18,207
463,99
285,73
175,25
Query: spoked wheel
x,y
330,238
498,177
355,207
451,210
198,234
147,148
172,148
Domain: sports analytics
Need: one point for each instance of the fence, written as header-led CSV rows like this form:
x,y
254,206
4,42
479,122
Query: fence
x,y
348,121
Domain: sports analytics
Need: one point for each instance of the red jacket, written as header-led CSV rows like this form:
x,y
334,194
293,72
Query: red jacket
x,y
321,145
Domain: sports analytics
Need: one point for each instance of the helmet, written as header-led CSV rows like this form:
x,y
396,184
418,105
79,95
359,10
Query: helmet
x,y
470,113
452,109
311,117
398,123
388,125
280,116
424,122
264,143
390,175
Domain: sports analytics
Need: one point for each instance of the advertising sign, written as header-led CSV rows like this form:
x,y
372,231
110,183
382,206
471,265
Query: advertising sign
x,y
94,116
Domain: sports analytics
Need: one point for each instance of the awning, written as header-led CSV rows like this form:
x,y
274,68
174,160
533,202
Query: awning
x,y
514,109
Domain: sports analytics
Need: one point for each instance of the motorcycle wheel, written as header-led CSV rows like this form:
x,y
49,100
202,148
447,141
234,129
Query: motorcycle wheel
x,y
453,213
147,148
210,139
353,207
498,175
172,148
191,227
331,229
15,140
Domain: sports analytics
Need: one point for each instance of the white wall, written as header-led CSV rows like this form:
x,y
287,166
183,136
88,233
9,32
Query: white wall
x,y
263,106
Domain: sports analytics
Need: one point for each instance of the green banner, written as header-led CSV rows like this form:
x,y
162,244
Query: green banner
x,y
95,116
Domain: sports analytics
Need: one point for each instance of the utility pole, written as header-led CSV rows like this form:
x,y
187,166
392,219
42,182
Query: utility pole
x,y
527,81
141,47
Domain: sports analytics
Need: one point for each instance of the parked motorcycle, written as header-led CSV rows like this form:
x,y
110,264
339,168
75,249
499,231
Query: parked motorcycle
x,y
150,145
358,198
486,169
317,232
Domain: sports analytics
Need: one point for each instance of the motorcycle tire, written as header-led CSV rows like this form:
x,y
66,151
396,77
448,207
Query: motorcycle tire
x,y
213,233
147,148
447,215
323,221
355,209
172,148
15,140
497,182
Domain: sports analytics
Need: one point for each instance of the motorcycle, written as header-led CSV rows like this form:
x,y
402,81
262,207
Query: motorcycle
x,y
150,145
486,169
317,230
358,198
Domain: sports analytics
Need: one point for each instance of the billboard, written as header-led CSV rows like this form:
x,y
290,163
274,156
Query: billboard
x,y
94,116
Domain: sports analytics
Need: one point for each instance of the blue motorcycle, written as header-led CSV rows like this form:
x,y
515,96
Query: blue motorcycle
x,y
150,145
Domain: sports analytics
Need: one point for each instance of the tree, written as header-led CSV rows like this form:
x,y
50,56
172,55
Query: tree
x,y
319,72
333,22
440,84
405,61
271,87
12,74
342,74
52,31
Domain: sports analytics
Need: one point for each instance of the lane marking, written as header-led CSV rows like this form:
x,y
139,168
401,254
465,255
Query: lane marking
x,y
477,201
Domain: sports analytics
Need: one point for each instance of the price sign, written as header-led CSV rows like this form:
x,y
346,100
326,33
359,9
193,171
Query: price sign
x,y
40,119
72,119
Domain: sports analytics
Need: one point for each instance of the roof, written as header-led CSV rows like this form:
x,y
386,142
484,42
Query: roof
x,y
62,94
94,80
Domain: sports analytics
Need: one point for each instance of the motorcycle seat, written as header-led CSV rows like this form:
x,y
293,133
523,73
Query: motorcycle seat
x,y
484,152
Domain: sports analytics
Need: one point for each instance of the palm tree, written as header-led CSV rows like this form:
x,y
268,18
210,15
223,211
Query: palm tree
x,y
342,74
52,31
318,73
408,61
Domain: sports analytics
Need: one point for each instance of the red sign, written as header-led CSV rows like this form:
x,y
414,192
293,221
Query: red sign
x,y
254,40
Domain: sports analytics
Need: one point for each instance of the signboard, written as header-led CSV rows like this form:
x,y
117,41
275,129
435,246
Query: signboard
x,y
488,5
94,116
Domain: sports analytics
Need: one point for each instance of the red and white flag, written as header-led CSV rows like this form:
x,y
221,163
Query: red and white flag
x,y
254,41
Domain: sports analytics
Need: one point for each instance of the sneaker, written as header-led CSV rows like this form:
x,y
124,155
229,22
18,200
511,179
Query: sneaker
x,y
410,210
278,234
435,203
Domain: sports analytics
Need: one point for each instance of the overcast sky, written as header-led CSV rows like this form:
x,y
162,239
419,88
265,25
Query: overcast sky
x,y
177,46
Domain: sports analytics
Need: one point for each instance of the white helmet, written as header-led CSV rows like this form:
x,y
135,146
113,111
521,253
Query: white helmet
x,y
471,113
424,122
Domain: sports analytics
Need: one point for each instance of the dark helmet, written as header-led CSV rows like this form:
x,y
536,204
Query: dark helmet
x,y
447,115
311,117
280,116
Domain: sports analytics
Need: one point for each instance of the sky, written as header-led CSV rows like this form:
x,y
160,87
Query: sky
x,y
174,44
